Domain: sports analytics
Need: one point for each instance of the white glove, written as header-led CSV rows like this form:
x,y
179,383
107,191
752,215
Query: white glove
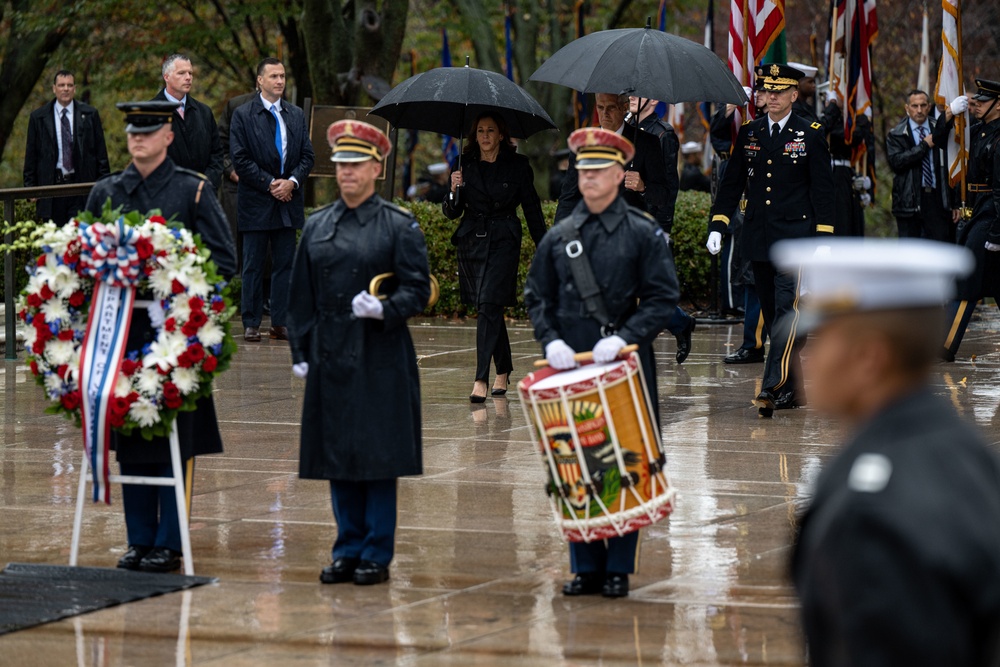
x,y
866,199
607,349
300,370
993,247
868,183
365,305
560,355
156,314
714,244
959,105
822,251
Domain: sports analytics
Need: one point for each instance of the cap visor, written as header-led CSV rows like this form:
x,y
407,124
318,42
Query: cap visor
x,y
594,163
350,156
982,97
142,129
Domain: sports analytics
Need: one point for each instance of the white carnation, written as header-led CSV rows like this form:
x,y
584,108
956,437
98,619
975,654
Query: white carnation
x,y
198,283
211,334
55,309
179,309
144,413
186,379
59,352
53,384
148,381
123,386
161,283
165,350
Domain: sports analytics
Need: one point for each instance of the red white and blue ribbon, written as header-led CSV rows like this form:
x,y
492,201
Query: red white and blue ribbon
x,y
100,361
108,253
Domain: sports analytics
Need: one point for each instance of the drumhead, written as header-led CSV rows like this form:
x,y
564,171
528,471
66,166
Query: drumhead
x,y
566,378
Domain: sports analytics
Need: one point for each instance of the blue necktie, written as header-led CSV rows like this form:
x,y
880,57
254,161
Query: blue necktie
x,y
927,169
277,137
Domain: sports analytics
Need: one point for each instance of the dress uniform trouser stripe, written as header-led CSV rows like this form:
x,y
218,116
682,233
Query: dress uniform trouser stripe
x,y
956,323
759,333
786,356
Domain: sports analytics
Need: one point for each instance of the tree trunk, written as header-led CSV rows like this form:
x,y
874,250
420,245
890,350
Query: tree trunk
x,y
25,58
476,20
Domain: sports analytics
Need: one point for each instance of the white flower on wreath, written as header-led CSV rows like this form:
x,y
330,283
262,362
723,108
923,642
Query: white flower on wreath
x,y
165,350
53,384
30,335
211,334
198,283
144,412
59,352
179,309
161,283
186,379
148,381
64,281
123,386
55,309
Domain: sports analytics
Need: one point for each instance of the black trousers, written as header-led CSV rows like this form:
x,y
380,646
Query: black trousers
x,y
255,245
779,303
492,342
931,222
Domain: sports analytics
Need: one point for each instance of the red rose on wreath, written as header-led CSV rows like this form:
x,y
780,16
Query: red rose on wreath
x,y
184,359
119,410
170,324
41,260
196,303
218,306
176,286
129,366
65,334
46,293
196,351
34,301
172,396
61,371
209,364
159,219
34,367
144,248
198,318
71,400
76,299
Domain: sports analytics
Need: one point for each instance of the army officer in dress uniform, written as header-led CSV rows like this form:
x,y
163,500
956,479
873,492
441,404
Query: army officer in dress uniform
x,y
361,412
634,272
783,164
153,181
898,555
982,233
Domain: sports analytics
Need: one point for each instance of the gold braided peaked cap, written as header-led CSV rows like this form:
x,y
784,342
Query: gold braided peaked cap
x,y
357,141
597,148
777,77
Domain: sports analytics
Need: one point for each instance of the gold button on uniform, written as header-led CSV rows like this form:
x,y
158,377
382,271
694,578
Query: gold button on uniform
x,y
768,202
769,175
769,162
769,188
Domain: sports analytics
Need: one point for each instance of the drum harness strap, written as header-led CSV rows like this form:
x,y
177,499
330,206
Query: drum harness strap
x,y
583,276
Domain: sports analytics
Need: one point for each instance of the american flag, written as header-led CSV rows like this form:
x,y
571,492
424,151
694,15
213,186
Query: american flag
x,y
950,86
753,27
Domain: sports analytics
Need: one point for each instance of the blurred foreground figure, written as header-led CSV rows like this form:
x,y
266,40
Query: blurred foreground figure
x,y
898,557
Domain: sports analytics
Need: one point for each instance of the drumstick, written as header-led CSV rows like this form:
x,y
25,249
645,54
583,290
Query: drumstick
x,y
589,356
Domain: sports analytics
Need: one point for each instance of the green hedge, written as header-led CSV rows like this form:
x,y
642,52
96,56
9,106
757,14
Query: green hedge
x,y
689,234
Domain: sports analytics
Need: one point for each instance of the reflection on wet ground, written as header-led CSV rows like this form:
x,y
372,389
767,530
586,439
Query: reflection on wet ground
x,y
479,564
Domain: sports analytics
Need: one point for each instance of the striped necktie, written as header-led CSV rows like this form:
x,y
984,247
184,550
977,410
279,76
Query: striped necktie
x,y
928,170
67,143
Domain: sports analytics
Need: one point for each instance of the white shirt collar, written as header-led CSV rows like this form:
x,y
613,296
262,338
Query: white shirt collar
x,y
781,123
59,107
268,105
182,101
914,125
621,129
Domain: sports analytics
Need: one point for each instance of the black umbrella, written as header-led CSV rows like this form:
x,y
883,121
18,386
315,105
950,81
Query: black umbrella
x,y
447,99
645,63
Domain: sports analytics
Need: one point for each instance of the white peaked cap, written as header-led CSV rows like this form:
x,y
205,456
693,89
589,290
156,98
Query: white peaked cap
x,y
690,147
437,168
808,70
857,275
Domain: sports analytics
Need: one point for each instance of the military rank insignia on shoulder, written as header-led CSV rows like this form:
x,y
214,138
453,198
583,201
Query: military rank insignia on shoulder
x,y
817,126
748,121
399,209
192,172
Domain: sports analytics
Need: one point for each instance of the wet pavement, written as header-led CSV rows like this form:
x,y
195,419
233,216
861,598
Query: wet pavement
x,y
479,562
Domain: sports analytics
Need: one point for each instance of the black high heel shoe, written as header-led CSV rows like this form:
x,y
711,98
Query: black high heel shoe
x,y
473,398
501,392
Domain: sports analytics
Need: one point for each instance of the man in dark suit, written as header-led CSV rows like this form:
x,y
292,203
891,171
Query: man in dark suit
x,y
897,560
782,163
65,145
196,143
272,155
920,193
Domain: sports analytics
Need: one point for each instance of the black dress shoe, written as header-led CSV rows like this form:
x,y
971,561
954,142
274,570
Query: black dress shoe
x,y
161,559
369,573
745,356
279,333
684,342
946,355
252,335
587,583
339,571
765,403
788,400
132,557
615,586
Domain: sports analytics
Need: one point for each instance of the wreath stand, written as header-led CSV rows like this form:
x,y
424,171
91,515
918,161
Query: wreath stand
x,y
176,481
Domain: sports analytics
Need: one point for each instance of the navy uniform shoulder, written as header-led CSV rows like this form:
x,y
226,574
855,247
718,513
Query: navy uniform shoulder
x,y
638,215
399,211
190,172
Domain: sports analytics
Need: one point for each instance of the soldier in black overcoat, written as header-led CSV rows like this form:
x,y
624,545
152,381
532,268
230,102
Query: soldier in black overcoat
x,y
634,271
897,559
493,181
782,163
153,181
361,410
981,234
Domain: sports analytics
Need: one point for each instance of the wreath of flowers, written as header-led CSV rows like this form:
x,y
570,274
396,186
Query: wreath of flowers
x,y
191,346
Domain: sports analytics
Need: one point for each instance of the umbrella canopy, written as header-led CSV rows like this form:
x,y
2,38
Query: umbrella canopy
x,y
643,62
447,100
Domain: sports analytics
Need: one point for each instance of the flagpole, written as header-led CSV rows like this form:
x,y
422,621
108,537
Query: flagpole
x,y
960,119
833,49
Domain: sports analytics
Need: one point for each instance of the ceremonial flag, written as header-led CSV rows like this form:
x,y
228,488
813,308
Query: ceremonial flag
x,y
950,86
509,49
675,116
924,73
581,112
450,146
754,26
861,19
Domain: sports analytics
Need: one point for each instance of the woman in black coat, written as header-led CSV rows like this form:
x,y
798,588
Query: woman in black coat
x,y
494,181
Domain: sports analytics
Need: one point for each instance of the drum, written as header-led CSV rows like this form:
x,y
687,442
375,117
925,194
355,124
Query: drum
x,y
600,447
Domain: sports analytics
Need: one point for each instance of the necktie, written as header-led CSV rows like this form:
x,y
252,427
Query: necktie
x,y
67,144
927,168
180,111
277,136
775,130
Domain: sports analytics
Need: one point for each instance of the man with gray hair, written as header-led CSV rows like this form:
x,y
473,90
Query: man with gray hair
x,y
196,143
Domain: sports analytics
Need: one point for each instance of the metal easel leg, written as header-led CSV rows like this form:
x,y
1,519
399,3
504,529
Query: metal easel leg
x,y
182,511
81,491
